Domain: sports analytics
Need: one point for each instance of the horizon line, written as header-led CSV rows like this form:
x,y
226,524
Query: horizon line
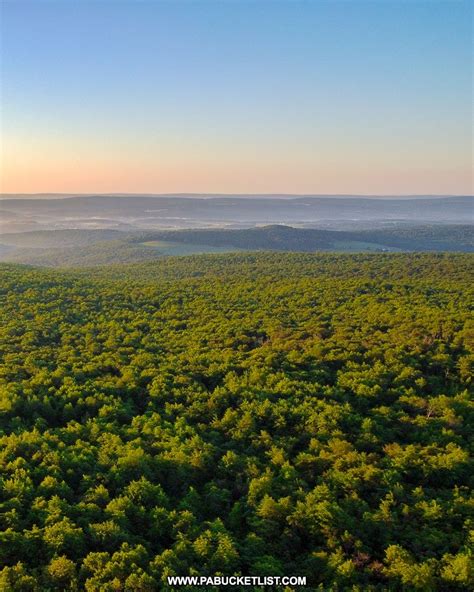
x,y
213,194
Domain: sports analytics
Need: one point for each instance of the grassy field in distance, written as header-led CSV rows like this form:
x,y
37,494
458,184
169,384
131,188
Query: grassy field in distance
x,y
175,248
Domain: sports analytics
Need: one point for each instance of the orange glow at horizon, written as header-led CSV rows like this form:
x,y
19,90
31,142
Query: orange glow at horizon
x,y
74,176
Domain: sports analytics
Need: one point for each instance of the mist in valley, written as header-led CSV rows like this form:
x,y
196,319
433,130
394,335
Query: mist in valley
x,y
86,230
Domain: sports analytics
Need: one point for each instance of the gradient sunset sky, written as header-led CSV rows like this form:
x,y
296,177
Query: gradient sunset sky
x,y
236,97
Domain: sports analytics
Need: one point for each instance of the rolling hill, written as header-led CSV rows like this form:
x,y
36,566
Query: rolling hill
x,y
82,248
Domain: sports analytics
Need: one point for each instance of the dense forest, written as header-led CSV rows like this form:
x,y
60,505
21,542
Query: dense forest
x,y
253,413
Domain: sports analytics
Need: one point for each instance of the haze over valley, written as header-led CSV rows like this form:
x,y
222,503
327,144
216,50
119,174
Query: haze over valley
x,y
189,211
100,229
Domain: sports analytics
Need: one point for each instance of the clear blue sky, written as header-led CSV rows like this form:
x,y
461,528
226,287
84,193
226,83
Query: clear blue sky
x,y
235,96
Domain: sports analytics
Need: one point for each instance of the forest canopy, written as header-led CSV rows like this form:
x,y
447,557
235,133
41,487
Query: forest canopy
x,y
254,413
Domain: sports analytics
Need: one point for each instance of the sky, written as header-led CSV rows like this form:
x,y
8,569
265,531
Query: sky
x,y
229,96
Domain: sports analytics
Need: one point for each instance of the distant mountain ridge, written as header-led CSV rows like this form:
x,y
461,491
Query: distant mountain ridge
x,y
228,195
168,212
